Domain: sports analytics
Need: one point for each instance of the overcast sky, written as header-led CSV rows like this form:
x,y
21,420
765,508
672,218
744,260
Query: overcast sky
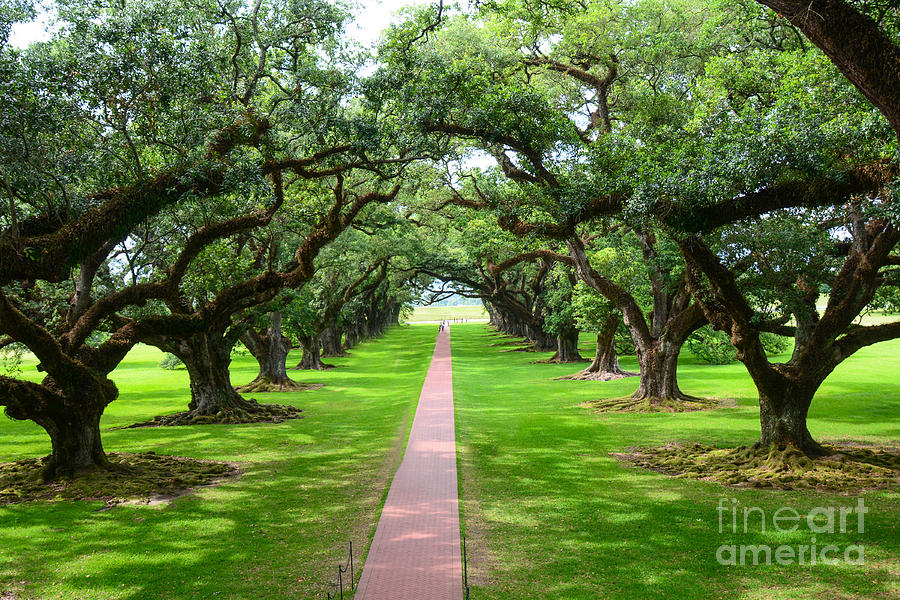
x,y
370,21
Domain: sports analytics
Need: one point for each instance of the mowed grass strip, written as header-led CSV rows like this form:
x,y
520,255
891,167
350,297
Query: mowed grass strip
x,y
441,313
309,486
550,514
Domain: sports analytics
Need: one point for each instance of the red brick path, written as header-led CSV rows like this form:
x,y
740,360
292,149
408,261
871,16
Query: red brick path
x,y
415,553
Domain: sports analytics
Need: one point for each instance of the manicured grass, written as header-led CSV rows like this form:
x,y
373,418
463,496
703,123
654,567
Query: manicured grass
x,y
441,313
550,514
309,487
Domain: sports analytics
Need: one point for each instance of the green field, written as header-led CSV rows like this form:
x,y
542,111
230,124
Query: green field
x,y
308,487
550,514
441,313
547,511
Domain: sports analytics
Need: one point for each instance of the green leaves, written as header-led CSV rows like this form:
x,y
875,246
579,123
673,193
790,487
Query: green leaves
x,y
12,12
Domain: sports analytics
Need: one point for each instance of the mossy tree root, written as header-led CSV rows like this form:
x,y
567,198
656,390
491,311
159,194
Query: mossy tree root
x,y
651,405
843,468
588,375
246,411
262,385
128,477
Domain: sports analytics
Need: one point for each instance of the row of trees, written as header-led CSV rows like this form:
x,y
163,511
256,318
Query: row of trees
x,y
693,164
193,173
171,172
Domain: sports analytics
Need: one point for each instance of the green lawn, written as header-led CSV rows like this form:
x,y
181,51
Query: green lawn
x,y
309,487
549,514
441,313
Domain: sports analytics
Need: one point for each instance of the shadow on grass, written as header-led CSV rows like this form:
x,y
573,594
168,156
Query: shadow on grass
x,y
308,487
560,518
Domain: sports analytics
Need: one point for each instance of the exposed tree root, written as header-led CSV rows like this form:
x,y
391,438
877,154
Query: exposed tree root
x,y
321,367
267,385
556,361
651,405
846,469
144,477
587,375
51,471
249,411
330,355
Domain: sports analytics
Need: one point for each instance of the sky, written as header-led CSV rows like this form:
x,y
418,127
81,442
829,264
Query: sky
x,y
23,34
377,15
373,17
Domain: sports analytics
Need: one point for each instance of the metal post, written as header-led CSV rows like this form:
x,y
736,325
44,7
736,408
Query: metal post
x,y
352,579
465,568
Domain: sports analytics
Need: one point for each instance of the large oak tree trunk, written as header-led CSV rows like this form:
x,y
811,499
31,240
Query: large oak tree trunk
x,y
500,320
207,356
493,318
270,349
503,324
659,373
207,362
785,392
605,365
69,411
567,347
394,314
782,416
272,366
375,324
331,341
351,339
606,359
822,342
312,354
75,439
511,325
659,336
543,342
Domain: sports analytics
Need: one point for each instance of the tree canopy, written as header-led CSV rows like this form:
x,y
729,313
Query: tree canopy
x,y
189,174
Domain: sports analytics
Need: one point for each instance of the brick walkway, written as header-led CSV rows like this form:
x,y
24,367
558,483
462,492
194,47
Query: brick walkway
x,y
415,553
